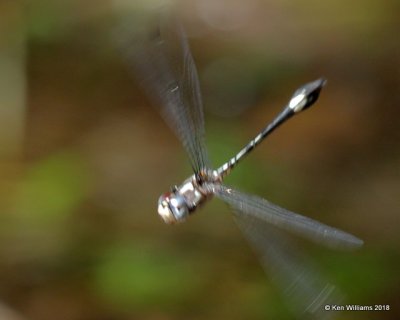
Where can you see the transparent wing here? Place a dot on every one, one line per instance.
(250, 205)
(304, 288)
(164, 65)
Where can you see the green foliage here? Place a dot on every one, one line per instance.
(364, 275)
(47, 19)
(51, 189)
(139, 276)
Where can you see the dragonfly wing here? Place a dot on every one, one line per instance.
(250, 205)
(305, 289)
(163, 63)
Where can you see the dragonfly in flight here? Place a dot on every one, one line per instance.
(165, 66)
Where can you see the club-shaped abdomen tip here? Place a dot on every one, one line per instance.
(322, 82)
(306, 95)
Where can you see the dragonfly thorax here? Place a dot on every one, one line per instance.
(175, 206)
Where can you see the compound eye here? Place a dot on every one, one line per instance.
(164, 209)
(178, 207)
(172, 207)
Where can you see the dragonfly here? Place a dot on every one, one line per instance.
(164, 64)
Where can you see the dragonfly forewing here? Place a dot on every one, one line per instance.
(164, 65)
(250, 205)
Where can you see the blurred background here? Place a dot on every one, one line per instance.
(84, 157)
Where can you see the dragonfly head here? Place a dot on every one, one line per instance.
(172, 207)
